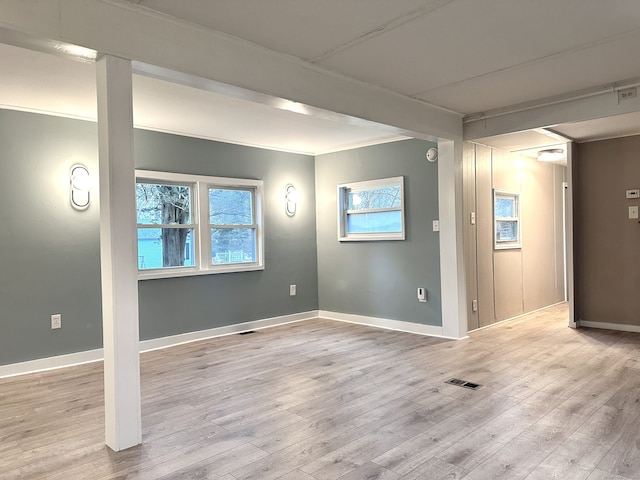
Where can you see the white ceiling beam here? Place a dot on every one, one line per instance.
(598, 104)
(121, 29)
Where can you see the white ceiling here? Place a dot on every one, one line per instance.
(46, 83)
(467, 56)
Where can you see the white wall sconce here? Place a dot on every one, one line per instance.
(80, 183)
(291, 200)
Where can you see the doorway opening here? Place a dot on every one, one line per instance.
(515, 233)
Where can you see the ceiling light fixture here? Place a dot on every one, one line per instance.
(551, 155)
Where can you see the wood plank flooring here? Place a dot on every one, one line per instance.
(322, 400)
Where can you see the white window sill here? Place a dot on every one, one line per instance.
(193, 271)
(371, 237)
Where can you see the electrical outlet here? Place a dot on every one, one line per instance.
(292, 290)
(56, 321)
(422, 294)
(436, 225)
(633, 211)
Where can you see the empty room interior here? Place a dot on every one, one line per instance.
(307, 240)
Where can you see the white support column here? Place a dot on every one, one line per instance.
(452, 272)
(571, 157)
(118, 254)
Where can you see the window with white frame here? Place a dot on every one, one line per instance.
(194, 225)
(371, 210)
(506, 213)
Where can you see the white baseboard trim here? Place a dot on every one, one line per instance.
(517, 317)
(51, 363)
(172, 341)
(398, 325)
(97, 355)
(610, 326)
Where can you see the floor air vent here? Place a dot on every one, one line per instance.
(463, 383)
(247, 333)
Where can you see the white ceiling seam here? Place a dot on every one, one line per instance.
(388, 26)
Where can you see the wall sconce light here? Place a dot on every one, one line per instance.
(551, 155)
(291, 200)
(80, 183)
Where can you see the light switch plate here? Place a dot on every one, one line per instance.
(633, 211)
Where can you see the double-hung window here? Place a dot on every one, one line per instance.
(371, 210)
(506, 213)
(233, 226)
(165, 224)
(194, 225)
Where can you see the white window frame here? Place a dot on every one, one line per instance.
(200, 185)
(508, 244)
(344, 212)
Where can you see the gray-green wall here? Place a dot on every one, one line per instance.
(50, 261)
(49, 253)
(380, 279)
(176, 305)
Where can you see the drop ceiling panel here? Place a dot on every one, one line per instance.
(303, 28)
(568, 72)
(466, 39)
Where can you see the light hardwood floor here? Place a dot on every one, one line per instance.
(323, 400)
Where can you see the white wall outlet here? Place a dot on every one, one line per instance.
(292, 290)
(422, 294)
(474, 305)
(473, 218)
(436, 225)
(633, 211)
(56, 321)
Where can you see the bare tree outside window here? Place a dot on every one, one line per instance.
(166, 206)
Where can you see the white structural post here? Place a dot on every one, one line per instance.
(118, 254)
(452, 273)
